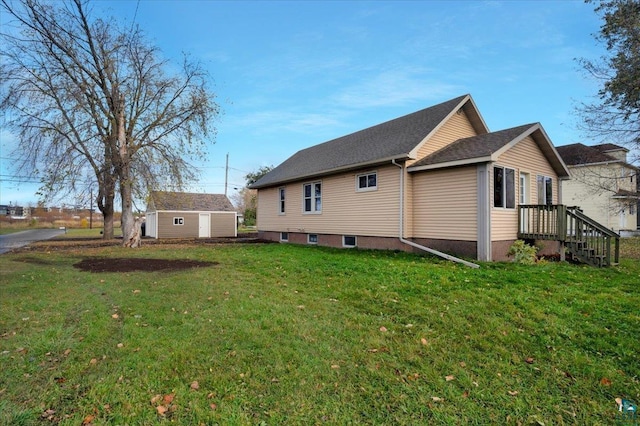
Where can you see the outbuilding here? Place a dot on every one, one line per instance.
(190, 215)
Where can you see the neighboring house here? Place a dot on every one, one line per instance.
(602, 184)
(436, 178)
(189, 215)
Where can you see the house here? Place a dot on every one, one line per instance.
(189, 215)
(436, 179)
(602, 184)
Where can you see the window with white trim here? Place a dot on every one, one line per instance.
(349, 241)
(504, 187)
(178, 220)
(545, 190)
(367, 182)
(281, 197)
(284, 236)
(524, 188)
(312, 197)
(312, 238)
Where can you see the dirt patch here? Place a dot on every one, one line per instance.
(100, 264)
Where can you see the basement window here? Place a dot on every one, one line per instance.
(349, 241)
(284, 236)
(312, 238)
(178, 220)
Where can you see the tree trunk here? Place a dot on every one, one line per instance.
(105, 202)
(133, 240)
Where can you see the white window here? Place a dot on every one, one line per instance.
(312, 197)
(504, 187)
(367, 182)
(349, 241)
(524, 188)
(545, 190)
(178, 220)
(312, 238)
(281, 196)
(284, 236)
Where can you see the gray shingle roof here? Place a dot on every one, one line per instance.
(386, 141)
(187, 201)
(577, 153)
(473, 147)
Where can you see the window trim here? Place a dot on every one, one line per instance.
(524, 188)
(282, 195)
(506, 202)
(366, 175)
(284, 237)
(178, 220)
(309, 238)
(344, 241)
(314, 200)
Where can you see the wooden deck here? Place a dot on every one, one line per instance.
(582, 237)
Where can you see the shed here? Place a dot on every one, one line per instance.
(190, 215)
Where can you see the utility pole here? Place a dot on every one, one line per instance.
(226, 175)
(91, 208)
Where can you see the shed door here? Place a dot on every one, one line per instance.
(204, 225)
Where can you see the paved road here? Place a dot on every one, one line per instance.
(18, 239)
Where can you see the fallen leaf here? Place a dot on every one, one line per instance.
(88, 419)
(383, 329)
(48, 414)
(436, 399)
(423, 341)
(463, 364)
(93, 361)
(156, 399)
(67, 352)
(168, 399)
(115, 316)
(529, 360)
(619, 401)
(335, 366)
(465, 394)
(136, 291)
(213, 406)
(161, 409)
(450, 377)
(513, 393)
(195, 385)
(605, 382)
(120, 345)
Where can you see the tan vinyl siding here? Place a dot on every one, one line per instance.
(166, 228)
(445, 204)
(223, 224)
(344, 210)
(457, 127)
(524, 157)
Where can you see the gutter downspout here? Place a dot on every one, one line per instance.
(411, 243)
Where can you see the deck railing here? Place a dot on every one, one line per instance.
(583, 237)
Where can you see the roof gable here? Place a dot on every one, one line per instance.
(488, 147)
(394, 139)
(187, 201)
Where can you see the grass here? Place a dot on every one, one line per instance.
(283, 334)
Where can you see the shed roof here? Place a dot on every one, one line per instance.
(189, 201)
(394, 139)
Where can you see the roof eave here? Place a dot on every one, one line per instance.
(447, 164)
(311, 176)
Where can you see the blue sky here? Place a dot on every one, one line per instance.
(292, 74)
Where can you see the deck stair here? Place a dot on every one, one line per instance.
(583, 238)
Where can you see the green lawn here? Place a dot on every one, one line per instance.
(282, 334)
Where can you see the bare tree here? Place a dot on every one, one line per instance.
(84, 93)
(615, 116)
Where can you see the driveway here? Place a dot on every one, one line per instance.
(19, 239)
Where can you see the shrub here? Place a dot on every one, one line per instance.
(523, 253)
